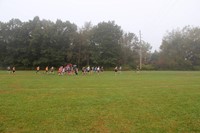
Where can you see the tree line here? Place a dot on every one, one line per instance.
(46, 43)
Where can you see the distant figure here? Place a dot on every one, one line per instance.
(95, 69)
(13, 70)
(52, 70)
(98, 69)
(116, 69)
(88, 69)
(102, 69)
(8, 69)
(92, 70)
(47, 69)
(60, 70)
(120, 69)
(83, 70)
(76, 71)
(64, 69)
(37, 69)
(137, 69)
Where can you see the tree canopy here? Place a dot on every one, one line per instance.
(46, 43)
(180, 49)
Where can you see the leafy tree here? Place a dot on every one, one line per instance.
(106, 38)
(84, 45)
(146, 52)
(129, 49)
(47, 43)
(180, 49)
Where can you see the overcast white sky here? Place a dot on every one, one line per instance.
(152, 17)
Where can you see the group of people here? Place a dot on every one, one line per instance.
(90, 70)
(118, 69)
(46, 69)
(70, 70)
(62, 70)
(11, 70)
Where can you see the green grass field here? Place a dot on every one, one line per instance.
(127, 102)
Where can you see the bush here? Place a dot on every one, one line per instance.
(148, 67)
(197, 68)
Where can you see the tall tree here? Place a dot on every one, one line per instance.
(180, 49)
(43, 42)
(84, 49)
(129, 45)
(106, 37)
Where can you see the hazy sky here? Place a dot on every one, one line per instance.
(152, 17)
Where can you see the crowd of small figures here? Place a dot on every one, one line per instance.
(63, 70)
(69, 70)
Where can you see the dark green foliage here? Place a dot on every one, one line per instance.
(45, 43)
(37, 42)
(106, 37)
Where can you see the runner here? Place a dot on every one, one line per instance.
(52, 70)
(47, 69)
(9, 69)
(98, 70)
(13, 70)
(116, 69)
(37, 69)
(60, 70)
(120, 69)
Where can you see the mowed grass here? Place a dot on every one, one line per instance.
(127, 102)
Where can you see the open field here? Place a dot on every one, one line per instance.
(127, 102)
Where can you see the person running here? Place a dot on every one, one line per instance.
(60, 70)
(83, 70)
(47, 69)
(76, 71)
(120, 69)
(102, 69)
(88, 69)
(9, 69)
(37, 69)
(13, 70)
(52, 70)
(116, 69)
(98, 69)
